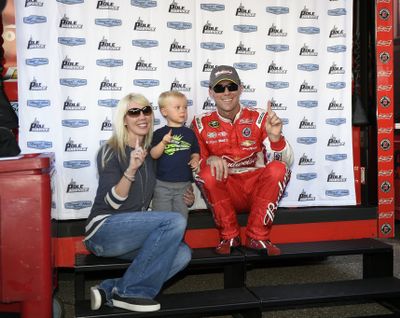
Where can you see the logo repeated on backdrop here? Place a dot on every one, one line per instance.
(33, 3)
(35, 85)
(69, 104)
(68, 64)
(106, 5)
(174, 7)
(35, 44)
(36, 126)
(105, 45)
(67, 23)
(284, 42)
(241, 11)
(181, 87)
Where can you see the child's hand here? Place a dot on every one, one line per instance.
(167, 138)
(194, 164)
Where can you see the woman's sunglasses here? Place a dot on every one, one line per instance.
(135, 112)
(232, 87)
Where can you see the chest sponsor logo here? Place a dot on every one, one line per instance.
(214, 124)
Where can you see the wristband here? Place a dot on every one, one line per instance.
(130, 178)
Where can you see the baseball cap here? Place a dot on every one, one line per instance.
(223, 73)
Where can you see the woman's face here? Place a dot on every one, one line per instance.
(138, 119)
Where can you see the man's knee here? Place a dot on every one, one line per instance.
(207, 178)
(278, 170)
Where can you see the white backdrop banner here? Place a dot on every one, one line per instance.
(77, 58)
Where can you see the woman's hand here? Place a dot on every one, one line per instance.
(188, 196)
(138, 155)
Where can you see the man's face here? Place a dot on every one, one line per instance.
(227, 102)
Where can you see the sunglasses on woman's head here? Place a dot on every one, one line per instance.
(135, 112)
(232, 87)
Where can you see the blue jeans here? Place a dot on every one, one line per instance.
(153, 240)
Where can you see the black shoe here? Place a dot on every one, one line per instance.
(135, 304)
(97, 297)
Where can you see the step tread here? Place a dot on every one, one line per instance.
(200, 256)
(299, 294)
(203, 256)
(325, 248)
(224, 300)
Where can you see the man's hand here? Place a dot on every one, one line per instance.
(273, 125)
(188, 196)
(219, 167)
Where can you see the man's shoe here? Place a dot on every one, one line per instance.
(135, 304)
(226, 246)
(97, 297)
(264, 247)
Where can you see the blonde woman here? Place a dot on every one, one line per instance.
(119, 224)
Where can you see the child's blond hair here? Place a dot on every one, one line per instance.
(162, 100)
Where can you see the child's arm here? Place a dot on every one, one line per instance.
(194, 161)
(158, 149)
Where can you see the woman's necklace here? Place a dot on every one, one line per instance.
(143, 182)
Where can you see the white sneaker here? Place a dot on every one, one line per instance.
(97, 297)
(136, 304)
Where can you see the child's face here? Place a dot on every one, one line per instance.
(175, 111)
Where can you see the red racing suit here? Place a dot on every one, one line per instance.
(258, 170)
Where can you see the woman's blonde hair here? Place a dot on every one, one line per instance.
(119, 139)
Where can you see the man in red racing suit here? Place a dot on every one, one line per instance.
(244, 164)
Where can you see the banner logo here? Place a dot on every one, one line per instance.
(76, 164)
(106, 5)
(177, 48)
(244, 28)
(336, 48)
(307, 14)
(67, 64)
(34, 19)
(146, 82)
(34, 44)
(73, 82)
(212, 7)
(274, 31)
(308, 30)
(180, 64)
(75, 123)
(212, 46)
(145, 43)
(39, 144)
(306, 140)
(277, 47)
(306, 124)
(277, 10)
(179, 25)
(109, 62)
(241, 11)
(70, 105)
(175, 8)
(336, 157)
(108, 102)
(77, 205)
(337, 12)
(38, 103)
(37, 61)
(337, 193)
(36, 126)
(335, 121)
(66, 23)
(71, 41)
